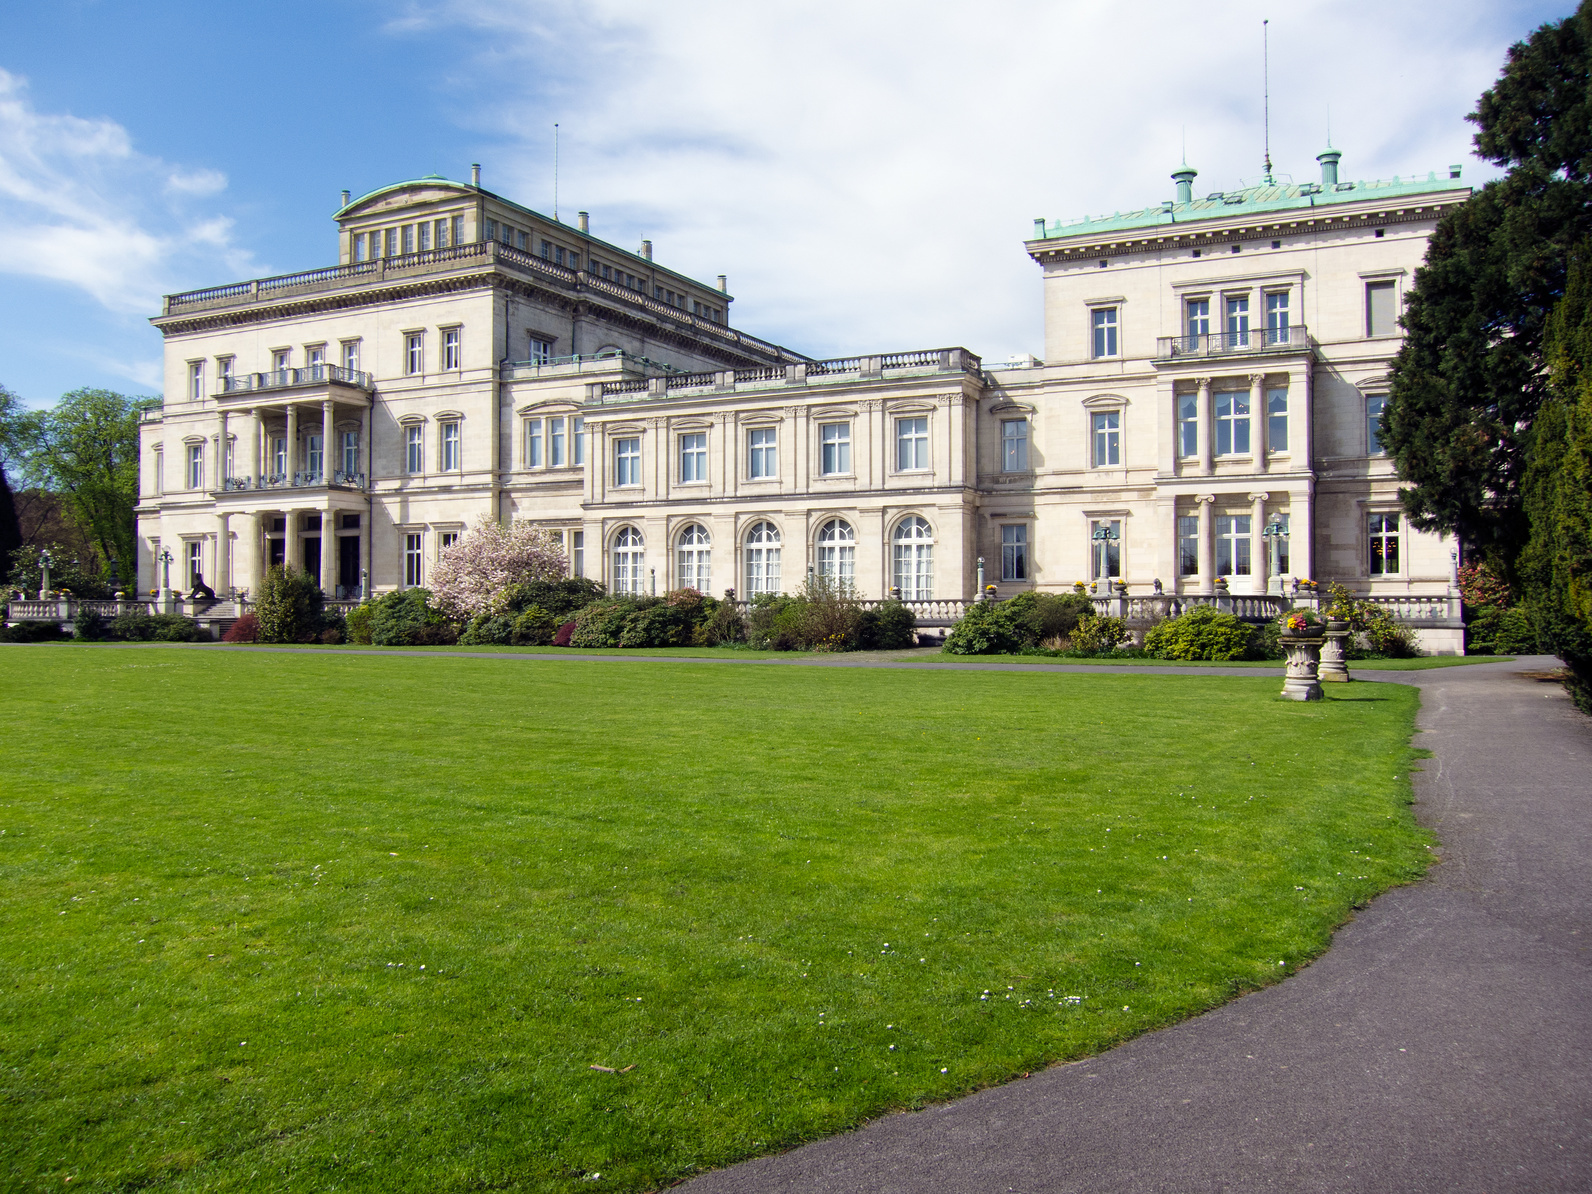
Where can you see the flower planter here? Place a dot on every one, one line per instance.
(1334, 652)
(1304, 662)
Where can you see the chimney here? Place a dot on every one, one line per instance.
(1184, 176)
(724, 284)
(475, 174)
(585, 221)
(646, 249)
(345, 198)
(1039, 227)
(1329, 167)
(1453, 171)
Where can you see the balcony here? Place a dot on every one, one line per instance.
(303, 480)
(1260, 342)
(287, 379)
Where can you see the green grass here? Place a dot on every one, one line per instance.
(301, 922)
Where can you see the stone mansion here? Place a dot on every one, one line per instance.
(1206, 408)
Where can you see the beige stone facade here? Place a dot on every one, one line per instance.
(1205, 410)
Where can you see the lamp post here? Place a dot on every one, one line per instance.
(45, 560)
(165, 573)
(980, 594)
(1274, 534)
(1104, 537)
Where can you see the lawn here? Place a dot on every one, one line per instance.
(279, 921)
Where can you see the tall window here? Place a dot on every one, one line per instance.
(1277, 318)
(442, 233)
(452, 358)
(196, 466)
(314, 455)
(409, 238)
(224, 372)
(555, 443)
(1014, 553)
(196, 564)
(1384, 536)
(1232, 422)
(694, 558)
(764, 453)
(450, 447)
(351, 354)
(1014, 445)
(359, 246)
(414, 353)
(1238, 321)
(414, 441)
(458, 230)
(445, 540)
(694, 458)
(1379, 313)
(1374, 406)
(834, 455)
(629, 561)
(279, 455)
(281, 359)
(196, 380)
(1188, 545)
(577, 432)
(315, 357)
(1277, 420)
(627, 461)
(1105, 544)
(577, 553)
(762, 559)
(423, 236)
(1199, 318)
(392, 242)
(412, 560)
(1107, 438)
(912, 443)
(533, 443)
(913, 556)
(1104, 326)
(837, 552)
(1188, 425)
(351, 452)
(1232, 545)
(1280, 546)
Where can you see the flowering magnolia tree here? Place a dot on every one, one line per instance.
(472, 574)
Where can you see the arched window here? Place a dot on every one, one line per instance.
(837, 552)
(694, 560)
(762, 559)
(629, 559)
(913, 552)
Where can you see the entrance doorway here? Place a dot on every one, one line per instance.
(312, 557)
(348, 566)
(278, 552)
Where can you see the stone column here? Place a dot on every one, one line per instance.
(327, 431)
(223, 582)
(1207, 426)
(1257, 415)
(329, 549)
(1302, 433)
(221, 450)
(258, 522)
(292, 446)
(1259, 565)
(1302, 535)
(1207, 578)
(256, 458)
(364, 445)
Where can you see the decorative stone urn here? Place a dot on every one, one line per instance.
(1304, 662)
(1334, 652)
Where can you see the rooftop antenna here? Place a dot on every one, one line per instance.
(1265, 75)
(556, 220)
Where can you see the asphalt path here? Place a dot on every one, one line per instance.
(1443, 1043)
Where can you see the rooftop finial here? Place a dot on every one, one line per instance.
(1184, 177)
(1265, 75)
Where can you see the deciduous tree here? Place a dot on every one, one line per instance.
(473, 574)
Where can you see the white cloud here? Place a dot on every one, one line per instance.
(866, 172)
(83, 208)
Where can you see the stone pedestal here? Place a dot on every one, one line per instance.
(1334, 653)
(1304, 662)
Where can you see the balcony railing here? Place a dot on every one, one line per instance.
(1230, 344)
(839, 369)
(307, 479)
(282, 379)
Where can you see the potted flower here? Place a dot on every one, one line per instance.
(1301, 642)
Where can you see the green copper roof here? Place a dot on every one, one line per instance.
(428, 180)
(1267, 198)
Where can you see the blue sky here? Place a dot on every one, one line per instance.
(864, 172)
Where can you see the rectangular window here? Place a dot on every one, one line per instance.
(1375, 404)
(577, 553)
(1277, 420)
(445, 540)
(350, 452)
(763, 451)
(1188, 425)
(694, 457)
(1232, 545)
(1014, 553)
(1014, 446)
(1199, 318)
(224, 372)
(1105, 543)
(577, 432)
(1379, 313)
(1107, 438)
(834, 449)
(912, 444)
(196, 564)
(1277, 326)
(196, 466)
(547, 250)
(279, 455)
(414, 456)
(1232, 423)
(423, 232)
(351, 355)
(506, 235)
(458, 230)
(196, 380)
(1238, 321)
(392, 242)
(450, 447)
(1384, 534)
(555, 443)
(522, 239)
(280, 360)
(314, 456)
(414, 353)
(491, 229)
(627, 461)
(314, 355)
(359, 246)
(412, 558)
(441, 227)
(1279, 546)
(541, 351)
(1188, 545)
(1105, 331)
(409, 238)
(533, 443)
(451, 356)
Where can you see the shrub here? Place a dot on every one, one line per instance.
(67, 571)
(1050, 615)
(1099, 635)
(565, 632)
(1201, 633)
(723, 625)
(602, 622)
(245, 630)
(488, 628)
(1382, 633)
(288, 606)
(404, 618)
(888, 626)
(357, 622)
(1391, 638)
(158, 628)
(1500, 630)
(562, 598)
(88, 626)
(34, 632)
(533, 627)
(987, 628)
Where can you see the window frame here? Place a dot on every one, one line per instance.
(533, 442)
(1379, 538)
(1105, 438)
(1188, 425)
(1188, 545)
(414, 354)
(627, 461)
(196, 381)
(1014, 446)
(450, 446)
(415, 449)
(1276, 417)
(761, 558)
(1232, 423)
(762, 453)
(834, 450)
(452, 349)
(1373, 435)
(414, 559)
(692, 456)
(1105, 332)
(1232, 536)
(1105, 555)
(1391, 289)
(694, 559)
(913, 452)
(1014, 552)
(629, 546)
(835, 556)
(912, 558)
(196, 466)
